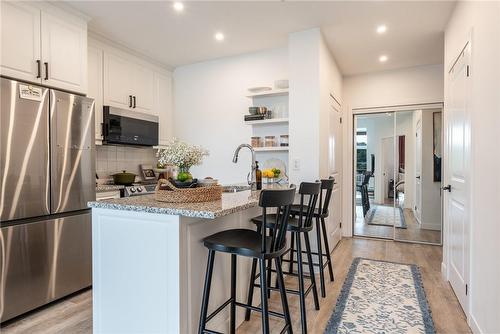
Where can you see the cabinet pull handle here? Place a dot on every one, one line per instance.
(130, 101)
(39, 68)
(134, 101)
(46, 70)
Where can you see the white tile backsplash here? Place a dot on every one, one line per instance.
(113, 159)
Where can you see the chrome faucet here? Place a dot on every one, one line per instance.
(252, 180)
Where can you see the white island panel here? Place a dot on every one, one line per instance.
(135, 272)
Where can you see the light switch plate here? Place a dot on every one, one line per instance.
(296, 164)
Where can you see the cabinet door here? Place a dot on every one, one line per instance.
(64, 52)
(95, 91)
(163, 107)
(143, 89)
(20, 41)
(117, 81)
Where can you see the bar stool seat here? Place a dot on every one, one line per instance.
(241, 242)
(295, 209)
(293, 223)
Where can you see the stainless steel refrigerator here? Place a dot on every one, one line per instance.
(47, 176)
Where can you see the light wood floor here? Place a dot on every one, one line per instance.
(413, 232)
(73, 315)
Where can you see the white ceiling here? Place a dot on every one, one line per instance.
(414, 36)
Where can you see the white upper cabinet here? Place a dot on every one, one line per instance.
(95, 83)
(117, 81)
(43, 46)
(64, 53)
(143, 89)
(20, 41)
(128, 84)
(164, 107)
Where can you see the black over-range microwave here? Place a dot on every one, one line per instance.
(129, 127)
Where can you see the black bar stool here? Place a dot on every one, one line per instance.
(320, 214)
(257, 245)
(309, 192)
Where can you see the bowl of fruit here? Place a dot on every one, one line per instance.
(272, 175)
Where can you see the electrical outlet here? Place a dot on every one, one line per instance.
(296, 164)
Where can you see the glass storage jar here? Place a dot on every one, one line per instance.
(270, 141)
(256, 142)
(284, 140)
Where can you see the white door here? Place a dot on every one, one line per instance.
(95, 68)
(143, 89)
(64, 53)
(163, 107)
(333, 227)
(457, 201)
(418, 171)
(20, 41)
(118, 81)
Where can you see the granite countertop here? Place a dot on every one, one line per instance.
(107, 187)
(230, 203)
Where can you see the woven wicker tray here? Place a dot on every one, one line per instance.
(171, 194)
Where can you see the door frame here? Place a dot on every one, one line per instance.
(466, 50)
(352, 139)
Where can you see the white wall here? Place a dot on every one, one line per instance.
(414, 85)
(210, 103)
(314, 75)
(482, 19)
(304, 104)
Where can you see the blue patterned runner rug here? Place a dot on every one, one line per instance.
(381, 297)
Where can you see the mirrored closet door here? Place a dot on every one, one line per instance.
(397, 170)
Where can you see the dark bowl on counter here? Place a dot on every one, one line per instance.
(124, 178)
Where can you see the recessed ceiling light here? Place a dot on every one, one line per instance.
(178, 6)
(381, 29)
(382, 58)
(219, 36)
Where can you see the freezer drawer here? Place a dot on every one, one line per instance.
(72, 151)
(43, 261)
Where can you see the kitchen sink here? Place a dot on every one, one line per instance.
(234, 188)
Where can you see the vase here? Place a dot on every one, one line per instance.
(184, 175)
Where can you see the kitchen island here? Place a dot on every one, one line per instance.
(149, 262)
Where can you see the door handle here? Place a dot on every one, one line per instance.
(418, 177)
(135, 100)
(448, 187)
(46, 70)
(39, 68)
(130, 101)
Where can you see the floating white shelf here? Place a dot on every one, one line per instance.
(268, 121)
(273, 92)
(271, 149)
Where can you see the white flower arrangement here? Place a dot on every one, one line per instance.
(181, 154)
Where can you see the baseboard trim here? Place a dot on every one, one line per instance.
(444, 271)
(474, 326)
